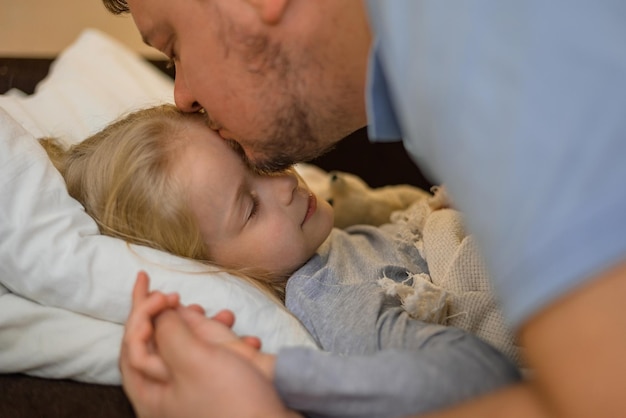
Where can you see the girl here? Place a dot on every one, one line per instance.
(161, 178)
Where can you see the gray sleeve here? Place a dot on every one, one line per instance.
(448, 368)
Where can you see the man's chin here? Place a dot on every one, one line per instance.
(271, 163)
(281, 160)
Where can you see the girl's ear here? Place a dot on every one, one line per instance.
(270, 11)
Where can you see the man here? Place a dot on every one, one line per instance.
(519, 107)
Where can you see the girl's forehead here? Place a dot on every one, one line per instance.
(203, 144)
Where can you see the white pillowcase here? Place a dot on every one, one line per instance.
(51, 254)
(91, 83)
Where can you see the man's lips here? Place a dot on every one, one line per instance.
(311, 208)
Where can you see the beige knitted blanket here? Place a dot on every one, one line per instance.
(457, 291)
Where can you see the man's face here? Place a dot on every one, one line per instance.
(248, 84)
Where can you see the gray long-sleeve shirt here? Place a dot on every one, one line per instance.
(378, 361)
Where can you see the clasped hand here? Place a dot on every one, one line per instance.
(176, 362)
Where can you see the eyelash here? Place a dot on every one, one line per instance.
(255, 205)
(172, 57)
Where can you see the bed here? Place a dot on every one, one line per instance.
(47, 369)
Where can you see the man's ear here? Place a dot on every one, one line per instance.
(270, 11)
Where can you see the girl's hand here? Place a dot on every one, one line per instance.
(176, 362)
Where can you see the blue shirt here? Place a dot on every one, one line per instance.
(520, 108)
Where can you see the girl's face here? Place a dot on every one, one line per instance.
(271, 222)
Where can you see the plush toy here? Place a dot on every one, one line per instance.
(354, 201)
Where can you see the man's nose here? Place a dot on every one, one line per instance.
(184, 98)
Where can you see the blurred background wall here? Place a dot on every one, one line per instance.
(42, 28)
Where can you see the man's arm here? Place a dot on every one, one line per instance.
(519, 401)
(576, 349)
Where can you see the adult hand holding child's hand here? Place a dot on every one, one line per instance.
(169, 351)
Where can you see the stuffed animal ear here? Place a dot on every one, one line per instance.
(318, 180)
(315, 177)
(353, 200)
(336, 185)
(345, 184)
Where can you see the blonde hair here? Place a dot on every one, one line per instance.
(122, 176)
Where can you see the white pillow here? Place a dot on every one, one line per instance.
(51, 253)
(91, 83)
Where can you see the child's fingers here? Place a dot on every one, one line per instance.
(140, 290)
(149, 303)
(223, 320)
(155, 303)
(139, 355)
(192, 317)
(217, 328)
(172, 333)
(226, 317)
(197, 308)
(254, 342)
(138, 343)
(208, 329)
(172, 299)
(147, 363)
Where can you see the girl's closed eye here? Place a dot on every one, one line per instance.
(255, 205)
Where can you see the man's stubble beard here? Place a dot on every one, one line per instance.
(299, 129)
(306, 125)
(291, 140)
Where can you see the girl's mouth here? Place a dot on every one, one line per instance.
(311, 208)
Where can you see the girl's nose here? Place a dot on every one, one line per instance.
(285, 185)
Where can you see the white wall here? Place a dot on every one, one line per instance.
(42, 28)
